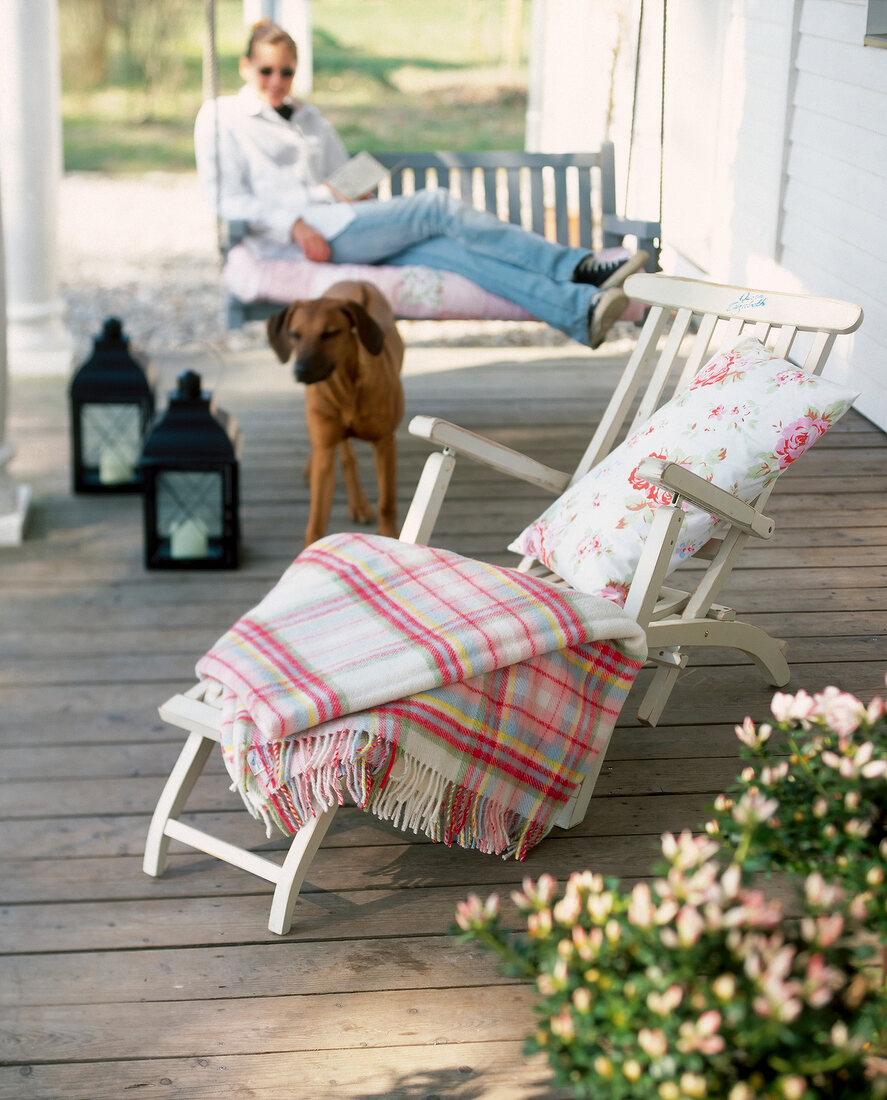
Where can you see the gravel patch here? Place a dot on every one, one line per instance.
(144, 249)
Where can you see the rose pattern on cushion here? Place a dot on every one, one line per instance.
(798, 436)
(742, 420)
(652, 495)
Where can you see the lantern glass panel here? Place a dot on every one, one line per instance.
(190, 495)
(111, 439)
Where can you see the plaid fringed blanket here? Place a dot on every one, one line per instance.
(452, 697)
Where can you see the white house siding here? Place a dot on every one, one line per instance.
(775, 157)
(834, 222)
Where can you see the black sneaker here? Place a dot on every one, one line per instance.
(604, 273)
(604, 311)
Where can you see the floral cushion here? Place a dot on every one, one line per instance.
(744, 418)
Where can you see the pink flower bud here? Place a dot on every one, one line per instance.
(752, 809)
(839, 710)
(603, 1067)
(562, 1025)
(747, 733)
(640, 908)
(875, 711)
(472, 913)
(568, 909)
(693, 1085)
(632, 1070)
(652, 1041)
(874, 876)
(664, 1003)
(793, 1087)
(709, 1022)
(788, 708)
(689, 925)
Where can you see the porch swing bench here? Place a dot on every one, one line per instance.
(567, 197)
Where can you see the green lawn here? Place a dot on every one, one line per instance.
(390, 74)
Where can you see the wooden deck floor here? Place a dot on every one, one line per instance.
(114, 984)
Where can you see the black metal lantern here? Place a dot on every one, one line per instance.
(190, 476)
(112, 405)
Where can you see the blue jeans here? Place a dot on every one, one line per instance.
(433, 228)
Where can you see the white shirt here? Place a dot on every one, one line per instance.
(272, 169)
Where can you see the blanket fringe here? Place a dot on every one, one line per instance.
(308, 775)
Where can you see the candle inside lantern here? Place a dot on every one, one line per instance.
(114, 468)
(188, 539)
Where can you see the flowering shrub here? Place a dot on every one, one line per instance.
(813, 797)
(696, 985)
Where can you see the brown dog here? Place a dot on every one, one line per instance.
(349, 354)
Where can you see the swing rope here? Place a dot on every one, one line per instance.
(634, 104)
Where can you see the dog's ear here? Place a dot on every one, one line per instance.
(278, 333)
(368, 332)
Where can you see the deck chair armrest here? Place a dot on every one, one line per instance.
(692, 487)
(488, 453)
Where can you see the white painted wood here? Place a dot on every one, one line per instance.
(189, 713)
(30, 135)
(221, 849)
(428, 498)
(185, 773)
(788, 190)
(766, 652)
(674, 621)
(840, 100)
(488, 453)
(698, 491)
(292, 873)
(612, 421)
(837, 178)
(847, 221)
(861, 147)
(653, 564)
(778, 308)
(844, 22)
(841, 60)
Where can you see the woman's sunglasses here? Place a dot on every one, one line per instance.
(268, 70)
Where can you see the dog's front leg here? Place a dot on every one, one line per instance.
(385, 454)
(359, 508)
(321, 481)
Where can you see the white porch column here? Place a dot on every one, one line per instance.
(30, 167)
(295, 17)
(14, 498)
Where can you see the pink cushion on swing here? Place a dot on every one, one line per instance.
(418, 293)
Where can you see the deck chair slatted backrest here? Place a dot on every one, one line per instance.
(686, 322)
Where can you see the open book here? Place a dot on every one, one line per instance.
(358, 176)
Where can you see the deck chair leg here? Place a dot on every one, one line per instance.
(195, 752)
(657, 695)
(294, 868)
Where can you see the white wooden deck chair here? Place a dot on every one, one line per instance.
(687, 322)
